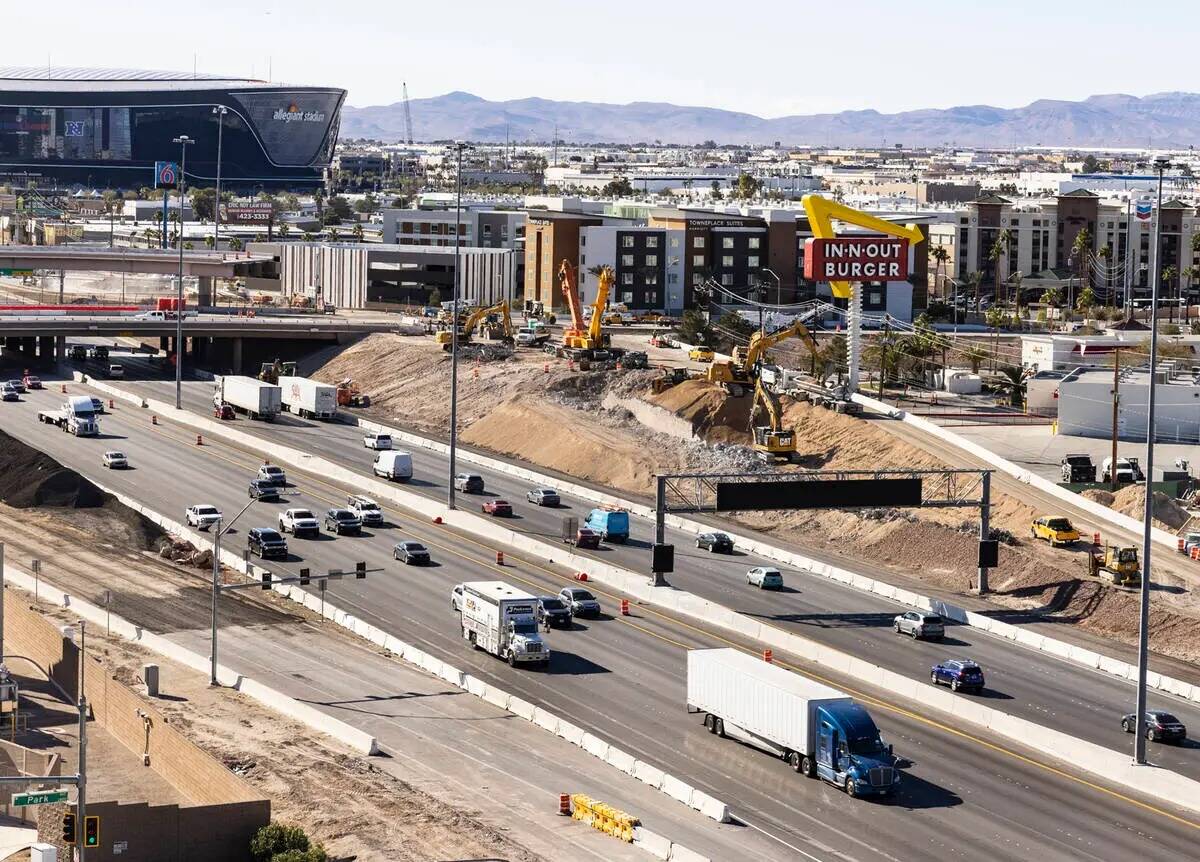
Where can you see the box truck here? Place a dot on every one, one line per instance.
(256, 399)
(817, 729)
(308, 398)
(502, 620)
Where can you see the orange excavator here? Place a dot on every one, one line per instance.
(585, 340)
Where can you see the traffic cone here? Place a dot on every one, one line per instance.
(768, 656)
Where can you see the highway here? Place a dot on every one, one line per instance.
(1033, 685)
(622, 678)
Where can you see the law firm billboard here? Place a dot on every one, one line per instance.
(871, 258)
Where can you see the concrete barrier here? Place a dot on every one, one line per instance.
(621, 760)
(648, 774)
(710, 806)
(680, 853)
(595, 746)
(520, 708)
(658, 846)
(677, 789)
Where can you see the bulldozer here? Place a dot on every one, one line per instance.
(272, 371)
(772, 442)
(738, 374)
(502, 325)
(348, 395)
(1118, 565)
(671, 377)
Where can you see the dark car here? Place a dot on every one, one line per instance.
(343, 522)
(585, 538)
(1160, 726)
(223, 411)
(260, 490)
(715, 543)
(469, 483)
(17, 384)
(499, 508)
(555, 611)
(958, 674)
(411, 553)
(266, 542)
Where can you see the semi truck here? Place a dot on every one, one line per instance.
(820, 731)
(308, 398)
(256, 399)
(499, 618)
(77, 416)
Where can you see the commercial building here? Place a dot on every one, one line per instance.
(1085, 405)
(107, 128)
(479, 227)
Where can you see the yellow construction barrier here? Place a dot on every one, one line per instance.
(604, 817)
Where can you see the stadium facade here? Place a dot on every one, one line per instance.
(105, 128)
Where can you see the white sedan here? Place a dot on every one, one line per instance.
(115, 461)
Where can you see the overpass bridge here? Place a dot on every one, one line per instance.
(88, 258)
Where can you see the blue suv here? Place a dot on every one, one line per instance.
(958, 674)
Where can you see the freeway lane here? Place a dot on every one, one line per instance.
(623, 680)
(1024, 682)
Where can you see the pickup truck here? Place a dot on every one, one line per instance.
(202, 516)
(532, 337)
(1077, 468)
(299, 522)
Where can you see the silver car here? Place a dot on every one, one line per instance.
(543, 497)
(581, 602)
(916, 624)
(115, 460)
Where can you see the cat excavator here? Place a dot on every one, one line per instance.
(740, 373)
(585, 340)
(772, 442)
(499, 310)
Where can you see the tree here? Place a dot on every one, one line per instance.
(694, 329)
(339, 207)
(366, 204)
(1014, 381)
(188, 246)
(284, 230)
(716, 190)
(307, 236)
(733, 329)
(277, 843)
(1169, 274)
(747, 187)
(1080, 249)
(357, 232)
(1051, 296)
(235, 244)
(1090, 164)
(940, 255)
(435, 297)
(210, 241)
(976, 354)
(997, 253)
(1105, 254)
(1086, 301)
(995, 317)
(618, 188)
(334, 235)
(204, 203)
(974, 279)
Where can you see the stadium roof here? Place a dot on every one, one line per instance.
(82, 79)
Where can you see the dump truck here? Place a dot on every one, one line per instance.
(255, 398)
(77, 416)
(1118, 565)
(502, 620)
(308, 398)
(820, 731)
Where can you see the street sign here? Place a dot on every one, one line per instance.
(165, 174)
(16, 273)
(43, 798)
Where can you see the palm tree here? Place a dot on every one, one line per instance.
(235, 244)
(976, 354)
(940, 255)
(357, 232)
(974, 279)
(1106, 254)
(307, 237)
(886, 351)
(333, 233)
(1191, 273)
(997, 253)
(1169, 274)
(210, 241)
(1080, 249)
(284, 230)
(1014, 382)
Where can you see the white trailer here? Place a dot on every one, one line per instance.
(499, 618)
(249, 395)
(308, 398)
(818, 730)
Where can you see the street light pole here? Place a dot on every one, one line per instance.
(1139, 742)
(183, 141)
(454, 294)
(778, 285)
(220, 111)
(219, 529)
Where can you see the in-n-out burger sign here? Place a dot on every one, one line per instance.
(293, 114)
(872, 258)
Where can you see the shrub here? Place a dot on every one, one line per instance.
(275, 839)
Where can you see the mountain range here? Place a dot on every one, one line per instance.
(1158, 120)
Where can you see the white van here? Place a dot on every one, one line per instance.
(393, 465)
(376, 440)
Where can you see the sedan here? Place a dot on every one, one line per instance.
(1160, 726)
(32, 381)
(260, 490)
(700, 354)
(585, 538)
(411, 553)
(765, 578)
(555, 611)
(115, 460)
(18, 385)
(499, 508)
(342, 521)
(11, 393)
(958, 674)
(580, 601)
(715, 543)
(918, 625)
(543, 497)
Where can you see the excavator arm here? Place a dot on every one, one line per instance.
(604, 286)
(766, 399)
(771, 441)
(566, 277)
(759, 344)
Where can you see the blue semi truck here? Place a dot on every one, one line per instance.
(818, 730)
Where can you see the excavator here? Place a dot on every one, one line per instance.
(272, 371)
(583, 340)
(740, 373)
(772, 442)
(500, 310)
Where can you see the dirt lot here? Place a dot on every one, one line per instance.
(307, 776)
(555, 418)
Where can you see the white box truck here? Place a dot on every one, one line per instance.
(393, 464)
(249, 395)
(817, 729)
(503, 620)
(308, 398)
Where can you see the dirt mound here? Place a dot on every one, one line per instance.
(715, 416)
(31, 478)
(1131, 501)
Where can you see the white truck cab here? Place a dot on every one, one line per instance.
(499, 618)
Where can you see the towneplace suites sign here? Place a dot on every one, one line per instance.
(843, 258)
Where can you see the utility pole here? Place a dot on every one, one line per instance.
(454, 331)
(183, 141)
(1112, 469)
(82, 701)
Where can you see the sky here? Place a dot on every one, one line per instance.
(767, 58)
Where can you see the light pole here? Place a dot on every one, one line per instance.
(183, 141)
(1161, 163)
(219, 529)
(220, 111)
(778, 285)
(454, 294)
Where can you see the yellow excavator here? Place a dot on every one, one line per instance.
(272, 371)
(739, 373)
(499, 310)
(580, 339)
(772, 442)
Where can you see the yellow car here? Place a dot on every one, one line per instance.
(700, 354)
(1056, 531)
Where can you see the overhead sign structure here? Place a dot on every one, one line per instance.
(822, 212)
(166, 175)
(853, 258)
(45, 797)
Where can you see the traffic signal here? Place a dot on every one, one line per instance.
(91, 831)
(360, 570)
(266, 580)
(68, 828)
(304, 579)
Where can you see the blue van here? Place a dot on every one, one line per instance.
(611, 524)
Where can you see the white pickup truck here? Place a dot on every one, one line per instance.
(202, 516)
(299, 522)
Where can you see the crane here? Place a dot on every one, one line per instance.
(741, 370)
(771, 441)
(581, 339)
(500, 309)
(407, 112)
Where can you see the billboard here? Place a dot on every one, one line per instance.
(871, 258)
(165, 175)
(253, 213)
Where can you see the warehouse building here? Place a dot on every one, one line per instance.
(1085, 403)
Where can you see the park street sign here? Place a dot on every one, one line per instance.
(43, 798)
(856, 258)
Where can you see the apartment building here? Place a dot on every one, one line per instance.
(477, 227)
